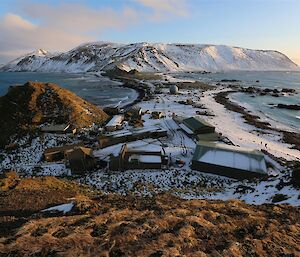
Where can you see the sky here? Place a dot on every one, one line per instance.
(56, 25)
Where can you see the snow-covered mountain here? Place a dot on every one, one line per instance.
(152, 57)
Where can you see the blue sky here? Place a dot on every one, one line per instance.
(61, 25)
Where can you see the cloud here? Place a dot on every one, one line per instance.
(59, 28)
(16, 22)
(63, 26)
(80, 18)
(19, 35)
(161, 8)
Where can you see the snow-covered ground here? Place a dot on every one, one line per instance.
(191, 184)
(27, 159)
(233, 126)
(179, 179)
(65, 208)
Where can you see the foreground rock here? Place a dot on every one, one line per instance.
(24, 108)
(113, 225)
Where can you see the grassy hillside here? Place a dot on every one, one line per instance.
(25, 107)
(114, 225)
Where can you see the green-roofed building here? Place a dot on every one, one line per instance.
(230, 161)
(213, 137)
(198, 125)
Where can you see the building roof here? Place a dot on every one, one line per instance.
(79, 152)
(195, 123)
(141, 146)
(143, 158)
(87, 151)
(62, 148)
(186, 129)
(134, 108)
(134, 131)
(230, 156)
(55, 127)
(147, 129)
(115, 120)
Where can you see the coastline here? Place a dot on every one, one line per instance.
(141, 93)
(192, 99)
(248, 124)
(233, 125)
(234, 97)
(127, 82)
(289, 137)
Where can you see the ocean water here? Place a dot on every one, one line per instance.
(262, 104)
(98, 90)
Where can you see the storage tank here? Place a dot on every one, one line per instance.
(173, 89)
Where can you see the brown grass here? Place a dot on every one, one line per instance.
(25, 107)
(113, 225)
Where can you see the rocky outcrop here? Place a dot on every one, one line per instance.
(289, 106)
(268, 91)
(24, 108)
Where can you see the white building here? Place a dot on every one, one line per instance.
(115, 123)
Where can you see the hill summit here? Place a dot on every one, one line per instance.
(26, 107)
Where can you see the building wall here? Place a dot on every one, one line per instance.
(111, 128)
(224, 171)
(121, 162)
(142, 166)
(56, 156)
(80, 163)
(204, 130)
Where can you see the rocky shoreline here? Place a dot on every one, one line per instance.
(289, 106)
(129, 82)
(289, 137)
(268, 91)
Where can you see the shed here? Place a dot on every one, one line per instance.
(198, 125)
(58, 128)
(116, 123)
(228, 160)
(59, 153)
(140, 157)
(81, 159)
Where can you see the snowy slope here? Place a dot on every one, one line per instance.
(152, 57)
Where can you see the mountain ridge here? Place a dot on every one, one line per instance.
(153, 57)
